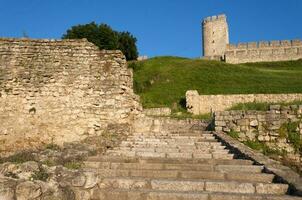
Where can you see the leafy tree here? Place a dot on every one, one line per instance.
(105, 37)
(127, 45)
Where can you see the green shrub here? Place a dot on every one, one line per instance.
(41, 175)
(233, 134)
(73, 165)
(289, 130)
(20, 157)
(262, 147)
(52, 146)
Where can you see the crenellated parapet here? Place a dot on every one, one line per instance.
(265, 44)
(214, 18)
(277, 50)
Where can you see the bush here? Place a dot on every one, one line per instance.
(289, 130)
(20, 157)
(41, 175)
(105, 37)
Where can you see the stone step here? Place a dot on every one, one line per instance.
(173, 150)
(170, 155)
(172, 195)
(192, 185)
(154, 140)
(183, 175)
(168, 141)
(118, 159)
(180, 145)
(173, 136)
(165, 166)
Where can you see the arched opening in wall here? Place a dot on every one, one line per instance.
(213, 41)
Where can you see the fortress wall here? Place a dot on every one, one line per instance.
(201, 104)
(60, 91)
(264, 51)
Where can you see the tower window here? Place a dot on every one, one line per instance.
(213, 41)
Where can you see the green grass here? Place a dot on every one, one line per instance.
(163, 81)
(261, 106)
(233, 134)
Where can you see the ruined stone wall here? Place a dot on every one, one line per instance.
(215, 36)
(264, 126)
(264, 51)
(59, 91)
(201, 104)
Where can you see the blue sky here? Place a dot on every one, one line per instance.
(162, 27)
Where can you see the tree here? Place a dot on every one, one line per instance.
(127, 44)
(105, 37)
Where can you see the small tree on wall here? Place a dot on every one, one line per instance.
(105, 37)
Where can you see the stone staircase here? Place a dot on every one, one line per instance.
(180, 166)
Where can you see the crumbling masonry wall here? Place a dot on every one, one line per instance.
(264, 51)
(60, 91)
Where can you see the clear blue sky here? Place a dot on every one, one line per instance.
(162, 27)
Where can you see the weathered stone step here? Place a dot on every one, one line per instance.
(193, 186)
(169, 141)
(182, 175)
(170, 155)
(164, 166)
(170, 144)
(174, 150)
(170, 195)
(118, 159)
(163, 137)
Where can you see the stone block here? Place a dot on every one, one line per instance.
(254, 123)
(220, 123)
(278, 189)
(230, 187)
(275, 107)
(243, 122)
(28, 190)
(177, 185)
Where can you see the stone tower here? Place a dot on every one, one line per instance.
(215, 36)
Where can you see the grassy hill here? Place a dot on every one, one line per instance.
(163, 81)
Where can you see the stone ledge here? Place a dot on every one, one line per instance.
(284, 173)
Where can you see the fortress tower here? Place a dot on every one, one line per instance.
(215, 36)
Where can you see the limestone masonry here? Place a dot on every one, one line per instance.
(216, 45)
(60, 91)
(201, 104)
(264, 126)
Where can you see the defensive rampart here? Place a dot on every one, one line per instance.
(264, 51)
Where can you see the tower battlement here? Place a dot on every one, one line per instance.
(214, 18)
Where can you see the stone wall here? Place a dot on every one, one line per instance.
(264, 51)
(201, 104)
(60, 90)
(157, 111)
(147, 124)
(264, 126)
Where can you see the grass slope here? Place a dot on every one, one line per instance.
(163, 81)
